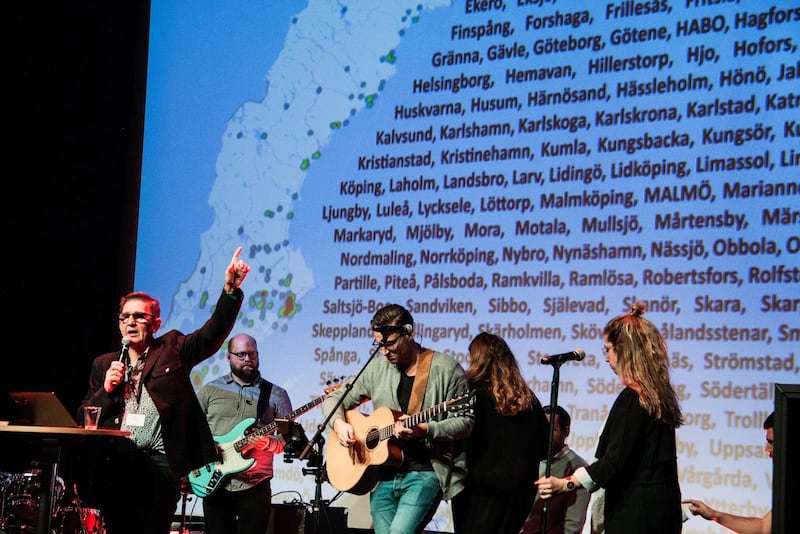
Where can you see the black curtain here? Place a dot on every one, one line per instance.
(75, 79)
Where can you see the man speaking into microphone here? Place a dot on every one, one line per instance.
(145, 389)
(117, 373)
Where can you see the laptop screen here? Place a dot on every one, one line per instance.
(41, 408)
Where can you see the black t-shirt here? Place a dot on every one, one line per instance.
(415, 455)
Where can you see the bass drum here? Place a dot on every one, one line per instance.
(72, 520)
(6, 479)
(22, 506)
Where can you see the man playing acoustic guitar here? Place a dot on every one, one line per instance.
(416, 459)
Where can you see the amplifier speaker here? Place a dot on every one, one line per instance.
(191, 525)
(287, 519)
(295, 519)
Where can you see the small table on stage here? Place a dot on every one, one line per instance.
(51, 439)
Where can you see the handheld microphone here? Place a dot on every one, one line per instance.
(557, 359)
(123, 354)
(125, 358)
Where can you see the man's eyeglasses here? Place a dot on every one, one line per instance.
(253, 354)
(139, 317)
(386, 343)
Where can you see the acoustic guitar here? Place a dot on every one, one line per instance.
(355, 469)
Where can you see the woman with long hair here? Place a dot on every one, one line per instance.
(503, 452)
(636, 452)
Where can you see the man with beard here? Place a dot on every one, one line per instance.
(409, 379)
(242, 502)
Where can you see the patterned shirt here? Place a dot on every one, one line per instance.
(140, 415)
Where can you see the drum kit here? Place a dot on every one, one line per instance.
(19, 507)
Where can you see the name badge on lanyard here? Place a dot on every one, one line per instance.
(133, 419)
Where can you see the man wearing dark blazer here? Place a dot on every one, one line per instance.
(145, 388)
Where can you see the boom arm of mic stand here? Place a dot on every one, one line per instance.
(322, 426)
(316, 440)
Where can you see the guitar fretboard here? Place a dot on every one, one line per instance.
(260, 432)
(425, 415)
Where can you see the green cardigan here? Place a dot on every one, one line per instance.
(446, 381)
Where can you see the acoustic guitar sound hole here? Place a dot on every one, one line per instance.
(372, 438)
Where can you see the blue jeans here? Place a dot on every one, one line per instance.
(405, 504)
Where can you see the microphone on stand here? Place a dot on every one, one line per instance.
(557, 359)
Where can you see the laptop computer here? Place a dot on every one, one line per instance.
(40, 408)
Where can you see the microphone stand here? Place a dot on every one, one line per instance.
(184, 497)
(553, 403)
(317, 441)
(319, 477)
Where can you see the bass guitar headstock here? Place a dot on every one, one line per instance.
(334, 384)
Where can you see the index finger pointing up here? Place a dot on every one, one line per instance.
(236, 255)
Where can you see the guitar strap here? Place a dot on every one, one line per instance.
(263, 399)
(420, 381)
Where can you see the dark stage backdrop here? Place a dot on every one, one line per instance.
(74, 82)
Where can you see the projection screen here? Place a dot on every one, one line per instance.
(527, 168)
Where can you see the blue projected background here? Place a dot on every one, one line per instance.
(527, 168)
